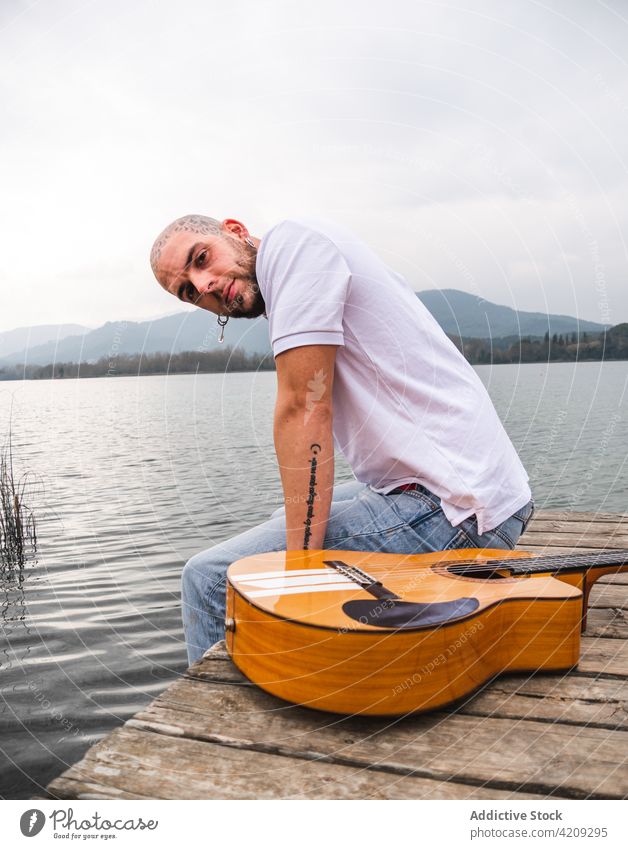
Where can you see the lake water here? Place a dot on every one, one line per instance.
(137, 474)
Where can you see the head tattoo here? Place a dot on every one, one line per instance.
(188, 223)
(244, 260)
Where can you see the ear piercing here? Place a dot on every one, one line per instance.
(222, 321)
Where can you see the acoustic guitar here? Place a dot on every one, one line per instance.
(390, 634)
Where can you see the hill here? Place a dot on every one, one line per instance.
(15, 341)
(464, 315)
(194, 330)
(459, 314)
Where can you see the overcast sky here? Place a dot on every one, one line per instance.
(476, 145)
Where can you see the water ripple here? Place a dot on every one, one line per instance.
(139, 474)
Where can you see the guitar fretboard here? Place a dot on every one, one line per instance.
(550, 563)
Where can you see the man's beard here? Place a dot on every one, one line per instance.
(246, 273)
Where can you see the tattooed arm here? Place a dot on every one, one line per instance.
(304, 441)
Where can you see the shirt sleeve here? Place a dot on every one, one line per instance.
(307, 280)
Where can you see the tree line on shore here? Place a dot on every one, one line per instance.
(186, 362)
(611, 344)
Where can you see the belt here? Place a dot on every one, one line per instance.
(403, 487)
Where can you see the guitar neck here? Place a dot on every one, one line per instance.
(610, 561)
(589, 567)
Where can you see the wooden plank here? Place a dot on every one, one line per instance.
(576, 699)
(217, 667)
(598, 657)
(524, 756)
(607, 622)
(603, 652)
(141, 764)
(577, 528)
(563, 697)
(599, 543)
(602, 656)
(617, 578)
(68, 786)
(590, 537)
(609, 595)
(567, 515)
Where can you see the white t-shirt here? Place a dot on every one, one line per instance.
(407, 405)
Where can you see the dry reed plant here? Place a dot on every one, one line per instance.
(18, 535)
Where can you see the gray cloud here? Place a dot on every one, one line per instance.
(478, 146)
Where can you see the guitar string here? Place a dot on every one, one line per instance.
(553, 562)
(527, 565)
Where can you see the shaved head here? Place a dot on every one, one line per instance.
(200, 224)
(210, 264)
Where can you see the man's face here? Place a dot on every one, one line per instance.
(214, 272)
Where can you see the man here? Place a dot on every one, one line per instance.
(362, 365)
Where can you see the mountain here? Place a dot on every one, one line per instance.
(12, 341)
(458, 313)
(184, 331)
(461, 314)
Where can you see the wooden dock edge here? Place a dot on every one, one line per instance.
(213, 735)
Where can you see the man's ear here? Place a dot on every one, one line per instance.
(236, 228)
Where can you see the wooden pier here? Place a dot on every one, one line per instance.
(213, 735)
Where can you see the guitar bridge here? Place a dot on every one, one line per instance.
(362, 579)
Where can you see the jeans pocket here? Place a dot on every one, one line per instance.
(503, 536)
(413, 506)
(508, 532)
(530, 515)
(460, 540)
(524, 515)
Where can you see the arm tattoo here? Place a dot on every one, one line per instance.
(315, 448)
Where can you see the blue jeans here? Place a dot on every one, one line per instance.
(409, 522)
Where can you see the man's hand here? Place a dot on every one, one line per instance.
(304, 441)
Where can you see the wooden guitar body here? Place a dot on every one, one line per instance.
(420, 632)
